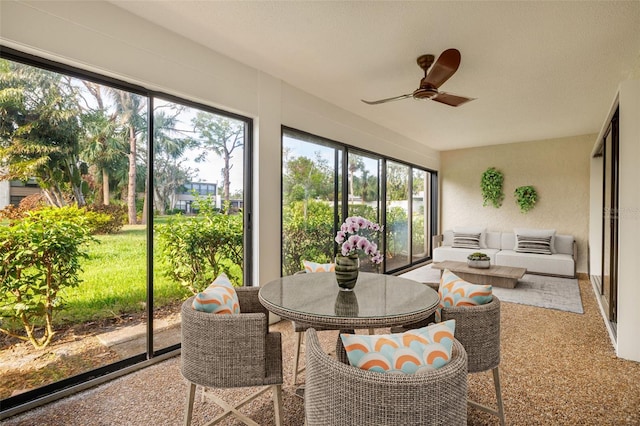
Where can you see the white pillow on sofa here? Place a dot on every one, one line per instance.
(536, 233)
(473, 230)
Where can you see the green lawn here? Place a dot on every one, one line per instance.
(114, 280)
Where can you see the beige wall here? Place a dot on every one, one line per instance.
(557, 168)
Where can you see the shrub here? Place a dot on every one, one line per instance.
(307, 234)
(29, 203)
(117, 217)
(194, 250)
(40, 256)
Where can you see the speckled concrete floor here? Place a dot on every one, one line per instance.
(557, 368)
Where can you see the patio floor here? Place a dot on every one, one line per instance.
(557, 368)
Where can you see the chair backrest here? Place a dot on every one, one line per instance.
(478, 329)
(340, 395)
(223, 350)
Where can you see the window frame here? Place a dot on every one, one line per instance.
(342, 211)
(69, 385)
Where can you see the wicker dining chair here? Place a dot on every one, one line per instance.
(229, 351)
(478, 329)
(339, 394)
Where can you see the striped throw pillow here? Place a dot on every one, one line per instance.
(531, 244)
(464, 240)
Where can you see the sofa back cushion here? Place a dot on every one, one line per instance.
(447, 238)
(494, 240)
(564, 244)
(507, 241)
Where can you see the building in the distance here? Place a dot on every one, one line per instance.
(185, 195)
(13, 191)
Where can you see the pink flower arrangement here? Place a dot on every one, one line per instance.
(351, 241)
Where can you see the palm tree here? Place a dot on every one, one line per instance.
(39, 132)
(169, 148)
(131, 110)
(103, 146)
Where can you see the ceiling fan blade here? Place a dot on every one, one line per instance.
(446, 65)
(381, 101)
(451, 99)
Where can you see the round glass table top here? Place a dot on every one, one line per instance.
(377, 300)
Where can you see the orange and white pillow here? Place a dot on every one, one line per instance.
(318, 267)
(454, 291)
(411, 352)
(219, 298)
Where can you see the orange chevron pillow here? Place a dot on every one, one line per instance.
(412, 352)
(219, 298)
(454, 291)
(318, 267)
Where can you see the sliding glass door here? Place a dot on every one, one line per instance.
(150, 194)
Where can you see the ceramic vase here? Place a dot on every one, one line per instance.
(347, 271)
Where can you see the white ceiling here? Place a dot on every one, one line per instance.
(539, 70)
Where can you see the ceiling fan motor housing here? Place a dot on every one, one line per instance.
(425, 91)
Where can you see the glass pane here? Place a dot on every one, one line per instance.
(198, 198)
(397, 225)
(78, 148)
(364, 197)
(420, 237)
(308, 188)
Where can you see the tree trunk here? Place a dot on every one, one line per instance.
(145, 206)
(105, 187)
(131, 195)
(159, 202)
(226, 183)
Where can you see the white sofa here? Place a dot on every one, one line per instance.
(500, 247)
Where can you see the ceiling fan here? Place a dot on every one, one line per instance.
(441, 71)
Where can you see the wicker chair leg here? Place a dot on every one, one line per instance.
(277, 403)
(231, 410)
(191, 394)
(296, 360)
(372, 331)
(500, 411)
(496, 382)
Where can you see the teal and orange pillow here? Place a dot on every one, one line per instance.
(318, 267)
(412, 352)
(219, 298)
(454, 291)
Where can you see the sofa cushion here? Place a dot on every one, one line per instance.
(464, 240)
(534, 233)
(473, 230)
(563, 244)
(494, 240)
(411, 352)
(532, 244)
(556, 264)
(442, 253)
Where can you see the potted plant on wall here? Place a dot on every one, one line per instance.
(526, 197)
(491, 185)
